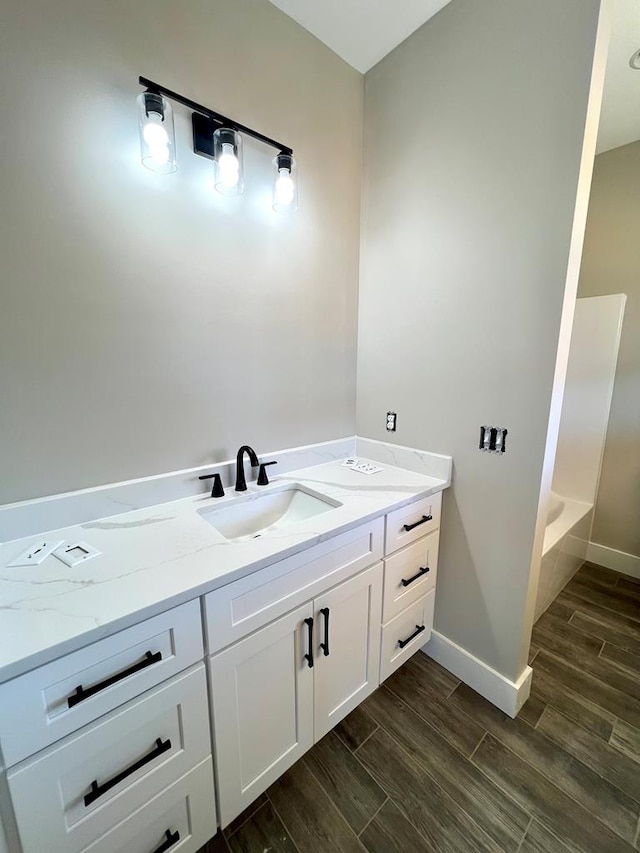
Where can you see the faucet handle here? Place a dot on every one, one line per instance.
(263, 480)
(217, 491)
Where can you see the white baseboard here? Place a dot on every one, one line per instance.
(619, 561)
(507, 695)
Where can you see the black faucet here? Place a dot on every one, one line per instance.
(241, 483)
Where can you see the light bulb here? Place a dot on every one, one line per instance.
(285, 188)
(228, 166)
(227, 147)
(157, 138)
(154, 133)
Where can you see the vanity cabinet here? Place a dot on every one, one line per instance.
(278, 691)
(355, 608)
(110, 745)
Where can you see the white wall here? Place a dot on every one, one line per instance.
(146, 323)
(610, 265)
(474, 133)
(595, 340)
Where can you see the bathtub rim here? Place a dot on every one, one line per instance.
(572, 512)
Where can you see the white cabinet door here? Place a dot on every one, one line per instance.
(346, 647)
(262, 701)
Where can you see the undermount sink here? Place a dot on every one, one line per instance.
(258, 514)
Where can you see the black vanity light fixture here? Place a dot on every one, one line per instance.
(214, 136)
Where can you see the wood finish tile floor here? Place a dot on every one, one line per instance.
(425, 765)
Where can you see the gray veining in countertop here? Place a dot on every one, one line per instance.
(158, 557)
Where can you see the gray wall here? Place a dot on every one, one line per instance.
(473, 138)
(146, 323)
(611, 264)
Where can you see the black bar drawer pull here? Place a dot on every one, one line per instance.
(419, 630)
(423, 520)
(171, 839)
(309, 656)
(98, 790)
(325, 646)
(83, 693)
(424, 570)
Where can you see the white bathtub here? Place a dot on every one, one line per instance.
(565, 547)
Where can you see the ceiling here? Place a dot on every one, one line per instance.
(361, 31)
(620, 117)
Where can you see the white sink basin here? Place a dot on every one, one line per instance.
(259, 514)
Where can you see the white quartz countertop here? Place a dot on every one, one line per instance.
(156, 558)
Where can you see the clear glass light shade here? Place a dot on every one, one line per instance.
(285, 184)
(229, 166)
(157, 135)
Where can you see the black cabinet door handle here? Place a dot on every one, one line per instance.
(419, 630)
(98, 790)
(309, 656)
(423, 571)
(423, 520)
(83, 693)
(171, 838)
(325, 646)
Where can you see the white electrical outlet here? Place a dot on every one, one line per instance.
(367, 468)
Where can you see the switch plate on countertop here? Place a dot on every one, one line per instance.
(76, 552)
(36, 553)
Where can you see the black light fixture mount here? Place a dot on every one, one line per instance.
(216, 137)
(206, 121)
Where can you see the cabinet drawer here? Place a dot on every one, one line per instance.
(86, 784)
(42, 706)
(405, 578)
(400, 629)
(184, 813)
(421, 517)
(241, 607)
